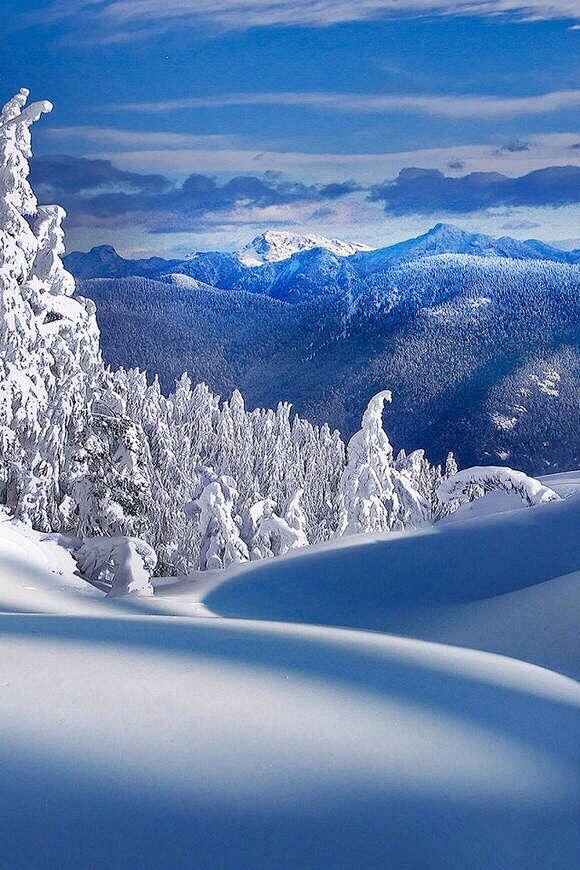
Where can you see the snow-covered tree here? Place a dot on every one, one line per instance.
(296, 519)
(221, 543)
(49, 342)
(118, 565)
(472, 483)
(368, 500)
(378, 494)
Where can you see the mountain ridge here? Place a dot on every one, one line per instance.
(298, 268)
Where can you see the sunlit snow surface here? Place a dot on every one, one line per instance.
(257, 722)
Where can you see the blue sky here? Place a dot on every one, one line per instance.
(191, 124)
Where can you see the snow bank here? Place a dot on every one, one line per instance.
(156, 742)
(161, 743)
(538, 624)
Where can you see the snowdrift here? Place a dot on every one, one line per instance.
(366, 582)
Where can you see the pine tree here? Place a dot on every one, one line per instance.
(221, 543)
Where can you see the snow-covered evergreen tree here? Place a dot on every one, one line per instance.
(221, 543)
(50, 352)
(377, 493)
(296, 519)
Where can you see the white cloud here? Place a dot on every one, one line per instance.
(175, 154)
(441, 105)
(138, 16)
(123, 140)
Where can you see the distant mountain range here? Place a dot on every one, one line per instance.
(275, 261)
(478, 338)
(104, 262)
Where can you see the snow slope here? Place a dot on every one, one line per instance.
(134, 735)
(372, 582)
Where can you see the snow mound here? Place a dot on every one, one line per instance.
(273, 246)
(488, 478)
(369, 581)
(537, 624)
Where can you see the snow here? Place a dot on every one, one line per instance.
(367, 582)
(117, 565)
(503, 422)
(487, 478)
(161, 739)
(274, 246)
(548, 385)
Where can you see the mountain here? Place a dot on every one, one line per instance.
(481, 352)
(448, 239)
(319, 271)
(103, 261)
(273, 246)
(477, 337)
(300, 268)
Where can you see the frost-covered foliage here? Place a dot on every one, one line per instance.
(217, 473)
(472, 483)
(221, 544)
(376, 493)
(118, 566)
(50, 351)
(162, 482)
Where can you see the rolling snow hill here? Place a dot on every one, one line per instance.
(164, 732)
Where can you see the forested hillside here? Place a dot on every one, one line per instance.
(481, 352)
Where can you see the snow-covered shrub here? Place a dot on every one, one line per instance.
(471, 483)
(274, 535)
(118, 566)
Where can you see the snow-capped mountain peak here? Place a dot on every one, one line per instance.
(274, 246)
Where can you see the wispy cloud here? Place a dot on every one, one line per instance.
(116, 138)
(126, 19)
(179, 154)
(440, 105)
(96, 193)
